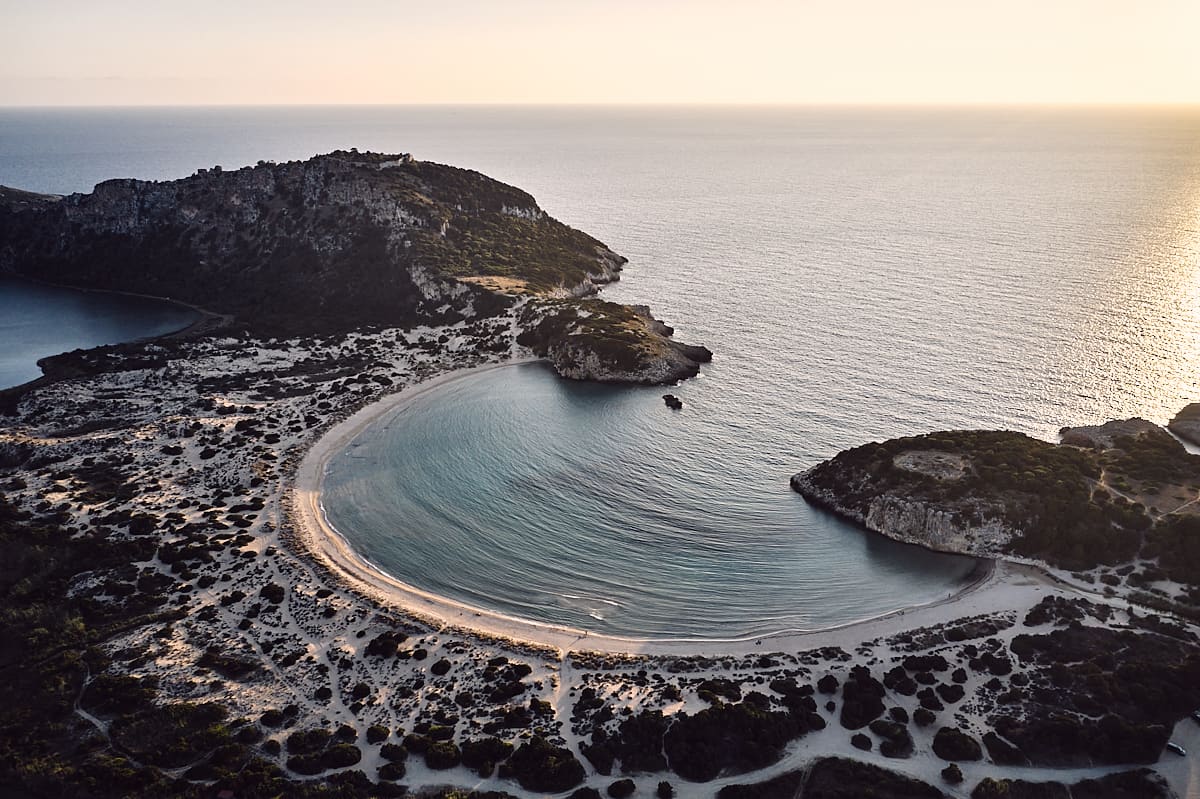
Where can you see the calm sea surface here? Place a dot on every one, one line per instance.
(37, 320)
(860, 274)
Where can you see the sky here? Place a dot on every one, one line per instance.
(167, 52)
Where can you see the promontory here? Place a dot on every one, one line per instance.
(345, 241)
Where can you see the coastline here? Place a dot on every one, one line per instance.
(321, 542)
(206, 322)
(209, 320)
(314, 648)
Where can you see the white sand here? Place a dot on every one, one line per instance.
(331, 630)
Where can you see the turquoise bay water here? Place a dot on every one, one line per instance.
(859, 273)
(599, 507)
(38, 320)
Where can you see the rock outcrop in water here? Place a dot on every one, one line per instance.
(334, 243)
(610, 343)
(1109, 494)
(1186, 423)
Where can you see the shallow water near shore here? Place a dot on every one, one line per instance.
(859, 273)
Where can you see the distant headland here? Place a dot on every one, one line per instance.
(344, 241)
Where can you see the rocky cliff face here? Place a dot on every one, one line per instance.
(1106, 436)
(1186, 423)
(1107, 495)
(610, 343)
(340, 240)
(961, 529)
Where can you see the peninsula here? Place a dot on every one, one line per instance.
(346, 241)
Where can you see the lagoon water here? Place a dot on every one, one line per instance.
(859, 273)
(38, 320)
(599, 507)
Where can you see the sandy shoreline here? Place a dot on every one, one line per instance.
(328, 547)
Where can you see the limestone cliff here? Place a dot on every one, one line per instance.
(1108, 494)
(1186, 423)
(337, 241)
(609, 343)
(970, 526)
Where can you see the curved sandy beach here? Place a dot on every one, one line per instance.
(985, 593)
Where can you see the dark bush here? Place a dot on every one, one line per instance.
(392, 771)
(540, 766)
(303, 742)
(442, 755)
(836, 778)
(953, 744)
(1019, 789)
(482, 755)
(621, 789)
(1001, 752)
(862, 699)
(719, 688)
(385, 644)
(739, 737)
(341, 756)
(584, 793)
(394, 753)
(896, 741)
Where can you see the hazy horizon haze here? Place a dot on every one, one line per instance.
(764, 52)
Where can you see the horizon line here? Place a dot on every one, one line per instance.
(1064, 104)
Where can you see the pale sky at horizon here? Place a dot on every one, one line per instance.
(132, 52)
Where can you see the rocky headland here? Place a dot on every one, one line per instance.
(1186, 424)
(344, 241)
(1119, 497)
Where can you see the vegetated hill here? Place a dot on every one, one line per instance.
(334, 242)
(1106, 496)
(342, 241)
(18, 198)
(608, 343)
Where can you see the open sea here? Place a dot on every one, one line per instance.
(859, 274)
